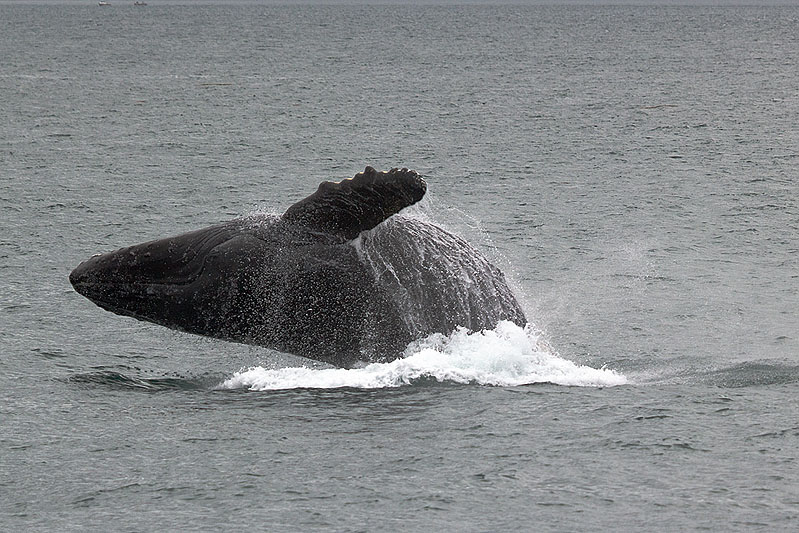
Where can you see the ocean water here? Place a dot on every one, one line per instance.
(634, 170)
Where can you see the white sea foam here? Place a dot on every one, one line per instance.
(505, 356)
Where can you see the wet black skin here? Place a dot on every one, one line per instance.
(293, 283)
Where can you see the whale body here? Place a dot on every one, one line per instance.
(340, 277)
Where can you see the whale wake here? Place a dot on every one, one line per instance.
(507, 355)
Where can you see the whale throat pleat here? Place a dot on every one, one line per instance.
(357, 204)
(436, 279)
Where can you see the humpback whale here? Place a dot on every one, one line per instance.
(340, 277)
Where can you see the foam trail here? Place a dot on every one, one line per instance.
(505, 356)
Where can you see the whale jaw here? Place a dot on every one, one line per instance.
(160, 281)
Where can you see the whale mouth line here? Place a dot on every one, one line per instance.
(136, 284)
(85, 276)
(106, 294)
(120, 297)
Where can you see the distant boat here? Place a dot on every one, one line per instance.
(102, 3)
(139, 3)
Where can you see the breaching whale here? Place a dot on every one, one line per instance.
(340, 277)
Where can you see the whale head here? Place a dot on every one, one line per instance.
(179, 282)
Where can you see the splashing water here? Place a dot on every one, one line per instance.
(507, 355)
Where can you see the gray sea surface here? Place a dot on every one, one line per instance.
(634, 170)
